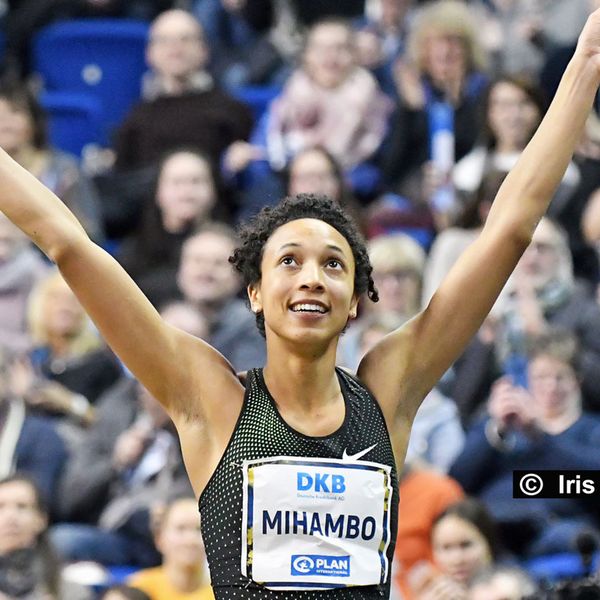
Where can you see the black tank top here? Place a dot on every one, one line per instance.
(261, 432)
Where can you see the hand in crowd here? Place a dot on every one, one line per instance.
(240, 154)
(130, 446)
(510, 406)
(409, 85)
(47, 395)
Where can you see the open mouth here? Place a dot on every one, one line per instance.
(308, 308)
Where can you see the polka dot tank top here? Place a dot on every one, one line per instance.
(261, 432)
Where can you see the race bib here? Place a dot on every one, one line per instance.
(315, 523)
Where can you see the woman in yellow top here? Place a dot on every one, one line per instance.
(182, 574)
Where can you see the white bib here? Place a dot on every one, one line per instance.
(315, 523)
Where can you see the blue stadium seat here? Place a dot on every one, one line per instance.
(256, 97)
(557, 567)
(104, 58)
(74, 120)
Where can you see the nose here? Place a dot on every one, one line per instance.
(312, 277)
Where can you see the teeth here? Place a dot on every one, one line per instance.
(308, 308)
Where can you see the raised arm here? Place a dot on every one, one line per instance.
(167, 361)
(406, 364)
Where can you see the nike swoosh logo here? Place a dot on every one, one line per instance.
(358, 455)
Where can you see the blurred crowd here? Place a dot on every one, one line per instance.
(409, 114)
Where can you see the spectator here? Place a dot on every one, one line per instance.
(450, 243)
(30, 444)
(183, 574)
(519, 34)
(67, 348)
(541, 294)
(543, 427)
(238, 34)
(182, 106)
(444, 63)
(185, 198)
(307, 112)
(502, 583)
(208, 283)
(424, 495)
(397, 263)
(23, 135)
(129, 460)
(311, 171)
(464, 541)
(381, 37)
(29, 568)
(513, 109)
(21, 268)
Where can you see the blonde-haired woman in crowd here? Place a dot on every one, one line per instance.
(445, 63)
(70, 366)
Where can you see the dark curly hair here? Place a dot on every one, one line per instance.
(254, 235)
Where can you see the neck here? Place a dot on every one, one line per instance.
(173, 224)
(305, 386)
(185, 579)
(506, 147)
(30, 158)
(559, 423)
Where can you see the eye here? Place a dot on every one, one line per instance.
(334, 263)
(287, 261)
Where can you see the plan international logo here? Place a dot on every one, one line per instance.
(317, 564)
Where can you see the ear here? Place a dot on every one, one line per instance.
(255, 296)
(353, 307)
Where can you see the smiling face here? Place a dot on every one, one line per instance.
(512, 116)
(179, 539)
(459, 549)
(329, 54)
(306, 292)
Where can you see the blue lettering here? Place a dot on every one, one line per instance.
(338, 485)
(269, 523)
(321, 482)
(305, 481)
